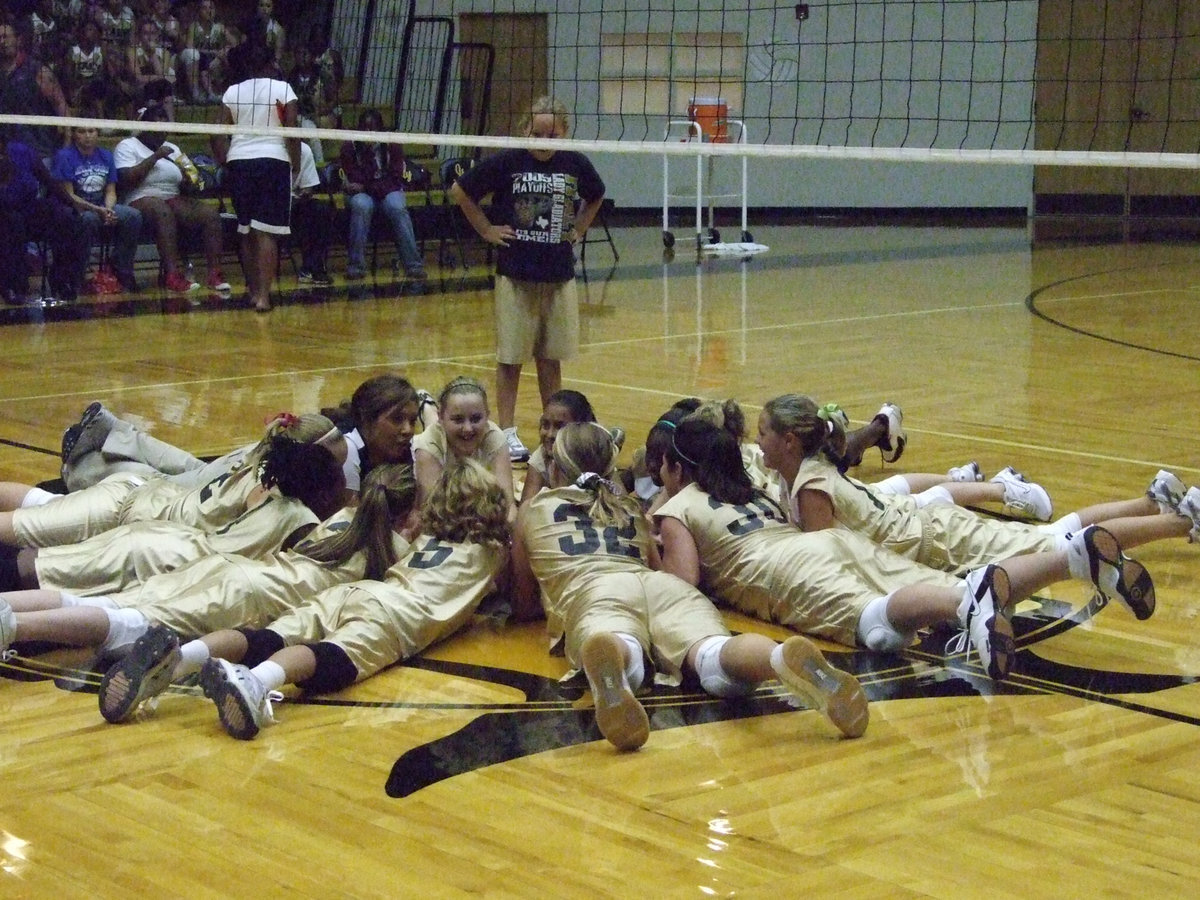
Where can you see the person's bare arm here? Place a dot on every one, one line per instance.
(499, 235)
(220, 142)
(679, 554)
(524, 594)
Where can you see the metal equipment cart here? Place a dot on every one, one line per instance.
(704, 184)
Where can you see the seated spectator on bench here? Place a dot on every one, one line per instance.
(28, 215)
(150, 175)
(89, 177)
(374, 174)
(312, 221)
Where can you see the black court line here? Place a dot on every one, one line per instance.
(31, 447)
(1031, 305)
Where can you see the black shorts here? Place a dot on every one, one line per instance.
(261, 190)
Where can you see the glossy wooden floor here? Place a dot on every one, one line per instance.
(471, 772)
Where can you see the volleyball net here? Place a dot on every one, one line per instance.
(1104, 85)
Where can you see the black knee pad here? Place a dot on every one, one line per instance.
(334, 670)
(261, 644)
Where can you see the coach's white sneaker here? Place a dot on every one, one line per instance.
(517, 451)
(243, 702)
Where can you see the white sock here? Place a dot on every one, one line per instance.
(124, 627)
(1077, 558)
(1067, 525)
(635, 669)
(192, 657)
(271, 674)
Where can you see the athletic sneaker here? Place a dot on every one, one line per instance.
(968, 472)
(243, 702)
(1023, 498)
(216, 282)
(892, 444)
(1114, 574)
(94, 427)
(618, 437)
(806, 673)
(315, 278)
(986, 618)
(145, 673)
(1190, 506)
(69, 439)
(619, 716)
(517, 451)
(1167, 491)
(8, 628)
(424, 399)
(180, 284)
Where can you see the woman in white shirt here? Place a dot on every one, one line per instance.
(258, 168)
(150, 178)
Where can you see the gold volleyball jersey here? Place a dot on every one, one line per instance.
(123, 556)
(425, 597)
(232, 591)
(208, 508)
(596, 580)
(819, 582)
(76, 517)
(943, 536)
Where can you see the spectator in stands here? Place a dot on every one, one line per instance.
(374, 174)
(169, 31)
(264, 16)
(333, 75)
(150, 177)
(89, 177)
(47, 35)
(206, 50)
(83, 74)
(32, 208)
(116, 24)
(152, 68)
(312, 221)
(27, 87)
(305, 79)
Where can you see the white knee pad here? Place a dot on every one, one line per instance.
(635, 669)
(73, 600)
(896, 484)
(875, 630)
(1068, 524)
(124, 627)
(713, 677)
(37, 497)
(934, 496)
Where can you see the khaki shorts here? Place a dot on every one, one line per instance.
(535, 320)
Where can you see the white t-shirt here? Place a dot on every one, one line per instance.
(306, 176)
(254, 102)
(162, 181)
